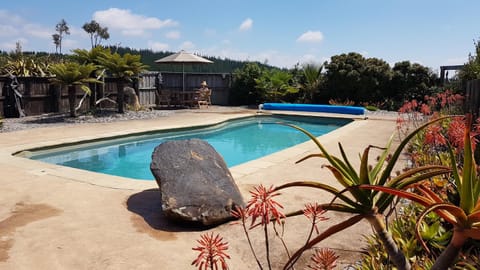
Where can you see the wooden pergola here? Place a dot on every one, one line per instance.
(445, 68)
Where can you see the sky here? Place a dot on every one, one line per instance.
(280, 33)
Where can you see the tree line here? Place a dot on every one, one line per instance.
(348, 78)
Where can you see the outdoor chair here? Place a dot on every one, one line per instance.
(164, 96)
(204, 98)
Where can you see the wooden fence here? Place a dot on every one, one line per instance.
(472, 97)
(220, 83)
(38, 96)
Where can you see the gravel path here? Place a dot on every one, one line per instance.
(105, 116)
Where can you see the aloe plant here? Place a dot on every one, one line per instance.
(402, 228)
(465, 217)
(364, 204)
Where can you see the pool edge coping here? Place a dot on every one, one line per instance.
(117, 182)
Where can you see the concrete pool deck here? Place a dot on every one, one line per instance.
(54, 217)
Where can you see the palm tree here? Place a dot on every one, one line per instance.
(312, 75)
(71, 74)
(123, 68)
(91, 57)
(276, 84)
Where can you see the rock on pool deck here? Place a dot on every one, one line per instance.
(55, 217)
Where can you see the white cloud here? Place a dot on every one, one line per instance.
(272, 57)
(246, 25)
(38, 31)
(187, 45)
(129, 23)
(7, 30)
(276, 58)
(7, 46)
(33, 36)
(308, 58)
(11, 45)
(69, 44)
(7, 17)
(226, 53)
(311, 36)
(157, 46)
(173, 35)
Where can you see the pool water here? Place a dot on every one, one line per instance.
(237, 141)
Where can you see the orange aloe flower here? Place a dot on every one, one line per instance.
(434, 136)
(212, 252)
(263, 206)
(323, 259)
(314, 212)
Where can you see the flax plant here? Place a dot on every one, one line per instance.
(364, 204)
(465, 217)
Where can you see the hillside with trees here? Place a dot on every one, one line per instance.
(220, 65)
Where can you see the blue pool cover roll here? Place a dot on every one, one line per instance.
(314, 108)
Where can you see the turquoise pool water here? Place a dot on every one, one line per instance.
(238, 141)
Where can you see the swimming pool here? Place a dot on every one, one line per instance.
(238, 141)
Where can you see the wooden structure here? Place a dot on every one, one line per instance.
(446, 68)
(472, 97)
(170, 84)
(148, 85)
(38, 95)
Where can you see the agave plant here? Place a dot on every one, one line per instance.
(364, 204)
(465, 217)
(402, 228)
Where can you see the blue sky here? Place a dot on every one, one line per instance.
(283, 33)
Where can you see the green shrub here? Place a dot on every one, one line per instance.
(371, 108)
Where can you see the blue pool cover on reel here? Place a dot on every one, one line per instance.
(314, 108)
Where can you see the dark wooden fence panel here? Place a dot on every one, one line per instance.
(2, 97)
(40, 96)
(36, 95)
(148, 84)
(472, 97)
(220, 83)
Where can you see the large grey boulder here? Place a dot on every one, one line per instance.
(195, 183)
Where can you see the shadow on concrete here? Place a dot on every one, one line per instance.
(148, 205)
